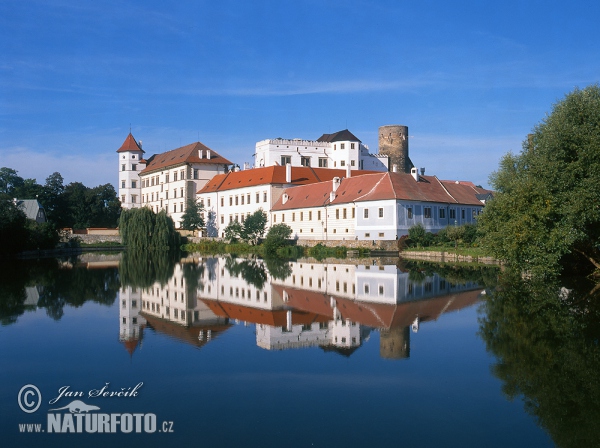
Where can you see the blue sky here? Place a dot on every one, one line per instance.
(469, 78)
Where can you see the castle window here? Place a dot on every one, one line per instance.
(427, 212)
(167, 178)
(343, 163)
(174, 176)
(353, 162)
(381, 212)
(123, 167)
(366, 213)
(351, 145)
(285, 160)
(410, 215)
(305, 161)
(452, 213)
(257, 198)
(342, 146)
(133, 184)
(122, 184)
(133, 198)
(442, 213)
(322, 162)
(134, 167)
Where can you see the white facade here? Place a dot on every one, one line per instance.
(338, 154)
(169, 188)
(223, 207)
(131, 162)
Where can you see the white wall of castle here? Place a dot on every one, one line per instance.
(299, 152)
(223, 207)
(129, 178)
(130, 321)
(170, 188)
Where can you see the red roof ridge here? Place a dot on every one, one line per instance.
(445, 189)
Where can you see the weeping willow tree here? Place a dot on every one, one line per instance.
(142, 229)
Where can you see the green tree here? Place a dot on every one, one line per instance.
(254, 227)
(141, 229)
(547, 206)
(233, 232)
(13, 232)
(192, 217)
(276, 237)
(416, 234)
(9, 182)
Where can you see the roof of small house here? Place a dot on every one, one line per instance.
(31, 207)
(192, 153)
(378, 186)
(130, 144)
(269, 175)
(340, 136)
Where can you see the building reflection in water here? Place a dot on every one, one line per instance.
(331, 306)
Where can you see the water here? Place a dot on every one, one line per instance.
(230, 352)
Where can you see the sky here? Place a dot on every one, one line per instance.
(470, 79)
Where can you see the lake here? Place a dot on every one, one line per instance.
(227, 351)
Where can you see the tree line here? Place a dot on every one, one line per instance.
(73, 205)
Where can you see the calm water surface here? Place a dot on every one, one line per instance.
(233, 352)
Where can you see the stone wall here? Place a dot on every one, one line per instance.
(93, 239)
(446, 257)
(385, 245)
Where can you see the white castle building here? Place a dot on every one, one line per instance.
(338, 150)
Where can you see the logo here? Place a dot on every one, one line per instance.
(77, 407)
(30, 398)
(79, 417)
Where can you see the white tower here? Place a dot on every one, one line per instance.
(131, 162)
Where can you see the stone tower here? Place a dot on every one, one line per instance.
(393, 142)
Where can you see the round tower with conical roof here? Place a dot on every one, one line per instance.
(131, 162)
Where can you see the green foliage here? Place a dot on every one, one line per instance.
(192, 217)
(254, 227)
(250, 270)
(41, 236)
(416, 234)
(547, 204)
(13, 232)
(74, 206)
(142, 229)
(320, 252)
(276, 237)
(233, 232)
(545, 340)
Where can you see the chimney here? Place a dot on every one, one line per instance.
(348, 171)
(395, 168)
(335, 185)
(415, 174)
(140, 144)
(423, 171)
(288, 173)
(208, 154)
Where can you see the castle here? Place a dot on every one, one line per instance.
(381, 195)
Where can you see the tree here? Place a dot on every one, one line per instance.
(233, 231)
(254, 227)
(547, 206)
(9, 182)
(13, 232)
(192, 217)
(276, 237)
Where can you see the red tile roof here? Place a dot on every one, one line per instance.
(186, 154)
(130, 145)
(185, 333)
(464, 192)
(270, 175)
(372, 187)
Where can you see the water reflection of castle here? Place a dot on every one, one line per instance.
(332, 306)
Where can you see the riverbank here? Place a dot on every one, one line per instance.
(445, 257)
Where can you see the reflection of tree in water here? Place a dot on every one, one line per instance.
(251, 270)
(141, 269)
(192, 273)
(482, 275)
(278, 268)
(56, 287)
(546, 341)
